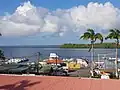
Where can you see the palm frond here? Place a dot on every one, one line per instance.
(112, 30)
(114, 34)
(117, 34)
(99, 36)
(110, 36)
(85, 36)
(117, 31)
(91, 31)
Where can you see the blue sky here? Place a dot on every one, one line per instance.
(44, 36)
(11, 5)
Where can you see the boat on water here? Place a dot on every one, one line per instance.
(16, 60)
(111, 58)
(53, 59)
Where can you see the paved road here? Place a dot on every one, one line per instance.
(82, 72)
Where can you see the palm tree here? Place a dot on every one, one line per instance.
(1, 52)
(92, 36)
(115, 34)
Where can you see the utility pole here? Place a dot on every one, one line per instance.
(56, 60)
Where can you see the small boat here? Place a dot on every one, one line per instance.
(16, 60)
(54, 59)
(113, 59)
(110, 58)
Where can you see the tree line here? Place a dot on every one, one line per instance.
(96, 45)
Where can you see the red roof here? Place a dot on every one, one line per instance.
(54, 61)
(55, 83)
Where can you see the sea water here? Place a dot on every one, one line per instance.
(30, 52)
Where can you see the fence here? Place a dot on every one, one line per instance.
(108, 60)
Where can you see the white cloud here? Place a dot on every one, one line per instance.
(29, 19)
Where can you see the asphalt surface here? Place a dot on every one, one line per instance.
(81, 73)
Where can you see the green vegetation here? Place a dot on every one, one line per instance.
(96, 45)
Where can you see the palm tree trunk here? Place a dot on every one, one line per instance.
(116, 61)
(56, 60)
(92, 57)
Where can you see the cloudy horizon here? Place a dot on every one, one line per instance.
(30, 24)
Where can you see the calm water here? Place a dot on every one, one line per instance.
(65, 53)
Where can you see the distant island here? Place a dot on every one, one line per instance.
(97, 45)
(67, 45)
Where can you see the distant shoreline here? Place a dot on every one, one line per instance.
(96, 45)
(32, 46)
(68, 45)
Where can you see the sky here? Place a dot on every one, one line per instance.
(54, 22)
